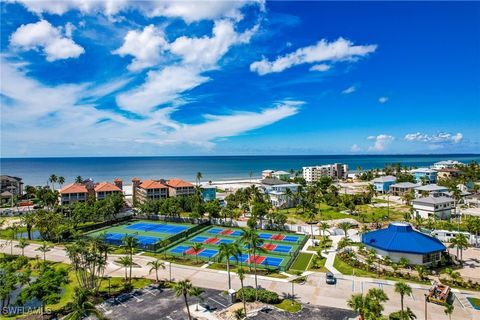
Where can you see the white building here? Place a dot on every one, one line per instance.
(446, 236)
(267, 173)
(431, 190)
(278, 193)
(436, 207)
(448, 164)
(335, 171)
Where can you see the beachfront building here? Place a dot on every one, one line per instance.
(335, 171)
(435, 207)
(148, 190)
(399, 240)
(425, 175)
(447, 173)
(382, 184)
(281, 175)
(105, 189)
(209, 193)
(267, 173)
(180, 188)
(74, 192)
(11, 186)
(399, 189)
(450, 164)
(430, 190)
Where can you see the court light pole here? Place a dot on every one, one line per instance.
(170, 270)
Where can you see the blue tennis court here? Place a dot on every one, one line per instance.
(225, 232)
(200, 239)
(143, 241)
(265, 236)
(156, 227)
(241, 258)
(179, 249)
(282, 249)
(291, 238)
(272, 261)
(208, 253)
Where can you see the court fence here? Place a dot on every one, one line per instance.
(104, 224)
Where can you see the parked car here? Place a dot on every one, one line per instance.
(330, 278)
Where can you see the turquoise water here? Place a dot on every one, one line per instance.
(35, 171)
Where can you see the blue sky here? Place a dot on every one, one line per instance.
(86, 78)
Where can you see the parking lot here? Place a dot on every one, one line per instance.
(153, 303)
(307, 313)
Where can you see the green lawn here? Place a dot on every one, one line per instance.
(289, 306)
(302, 261)
(346, 269)
(318, 264)
(475, 302)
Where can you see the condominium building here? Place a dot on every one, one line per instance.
(105, 189)
(335, 171)
(79, 192)
(447, 164)
(436, 207)
(148, 190)
(425, 174)
(180, 188)
(12, 185)
(73, 192)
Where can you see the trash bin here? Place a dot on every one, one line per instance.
(233, 295)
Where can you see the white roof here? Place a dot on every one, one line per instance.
(405, 185)
(423, 170)
(268, 170)
(384, 179)
(433, 200)
(281, 172)
(448, 162)
(431, 187)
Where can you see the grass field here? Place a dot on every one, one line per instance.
(302, 261)
(475, 302)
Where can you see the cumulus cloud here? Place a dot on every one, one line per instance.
(439, 138)
(349, 90)
(145, 46)
(43, 36)
(189, 11)
(380, 142)
(324, 51)
(355, 148)
(320, 67)
(383, 100)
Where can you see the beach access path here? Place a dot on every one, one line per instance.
(314, 291)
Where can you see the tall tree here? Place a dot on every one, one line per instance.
(460, 242)
(449, 310)
(184, 288)
(241, 277)
(227, 251)
(345, 226)
(254, 243)
(130, 244)
(52, 179)
(155, 266)
(44, 248)
(81, 307)
(402, 289)
(198, 178)
(22, 244)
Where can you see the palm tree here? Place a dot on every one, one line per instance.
(254, 243)
(44, 248)
(359, 304)
(311, 215)
(402, 289)
(345, 226)
(78, 179)
(198, 178)
(241, 277)
(61, 181)
(197, 292)
(126, 262)
(324, 228)
(184, 288)
(449, 310)
(421, 271)
(22, 244)
(197, 247)
(460, 242)
(81, 307)
(129, 244)
(53, 178)
(227, 250)
(155, 266)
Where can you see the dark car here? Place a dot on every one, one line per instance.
(330, 278)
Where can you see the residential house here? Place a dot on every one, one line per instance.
(450, 164)
(335, 171)
(12, 185)
(278, 193)
(149, 190)
(399, 189)
(425, 174)
(281, 175)
(180, 188)
(73, 192)
(267, 173)
(436, 207)
(382, 184)
(105, 189)
(430, 190)
(447, 173)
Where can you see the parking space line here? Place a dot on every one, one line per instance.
(150, 292)
(136, 298)
(218, 302)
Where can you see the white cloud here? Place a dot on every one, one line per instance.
(383, 100)
(380, 142)
(355, 148)
(439, 138)
(189, 11)
(320, 67)
(42, 35)
(145, 46)
(324, 51)
(349, 90)
(160, 87)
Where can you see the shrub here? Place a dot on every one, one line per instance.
(263, 295)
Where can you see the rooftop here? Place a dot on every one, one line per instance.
(178, 183)
(423, 170)
(105, 187)
(431, 187)
(73, 188)
(281, 172)
(384, 179)
(448, 162)
(152, 184)
(405, 185)
(433, 200)
(272, 181)
(401, 237)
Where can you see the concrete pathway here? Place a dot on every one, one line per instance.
(314, 291)
(332, 252)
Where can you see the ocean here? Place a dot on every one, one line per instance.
(35, 171)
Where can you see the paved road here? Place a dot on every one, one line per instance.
(315, 291)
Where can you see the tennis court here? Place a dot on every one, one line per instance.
(148, 233)
(279, 237)
(226, 232)
(189, 250)
(210, 240)
(265, 260)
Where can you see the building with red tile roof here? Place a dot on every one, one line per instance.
(149, 189)
(73, 192)
(105, 189)
(180, 188)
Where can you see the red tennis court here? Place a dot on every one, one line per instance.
(192, 251)
(227, 232)
(212, 240)
(269, 246)
(278, 237)
(256, 259)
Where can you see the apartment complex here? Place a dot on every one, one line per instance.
(11, 185)
(335, 171)
(80, 192)
(157, 189)
(447, 164)
(435, 207)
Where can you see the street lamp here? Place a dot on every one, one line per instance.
(426, 300)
